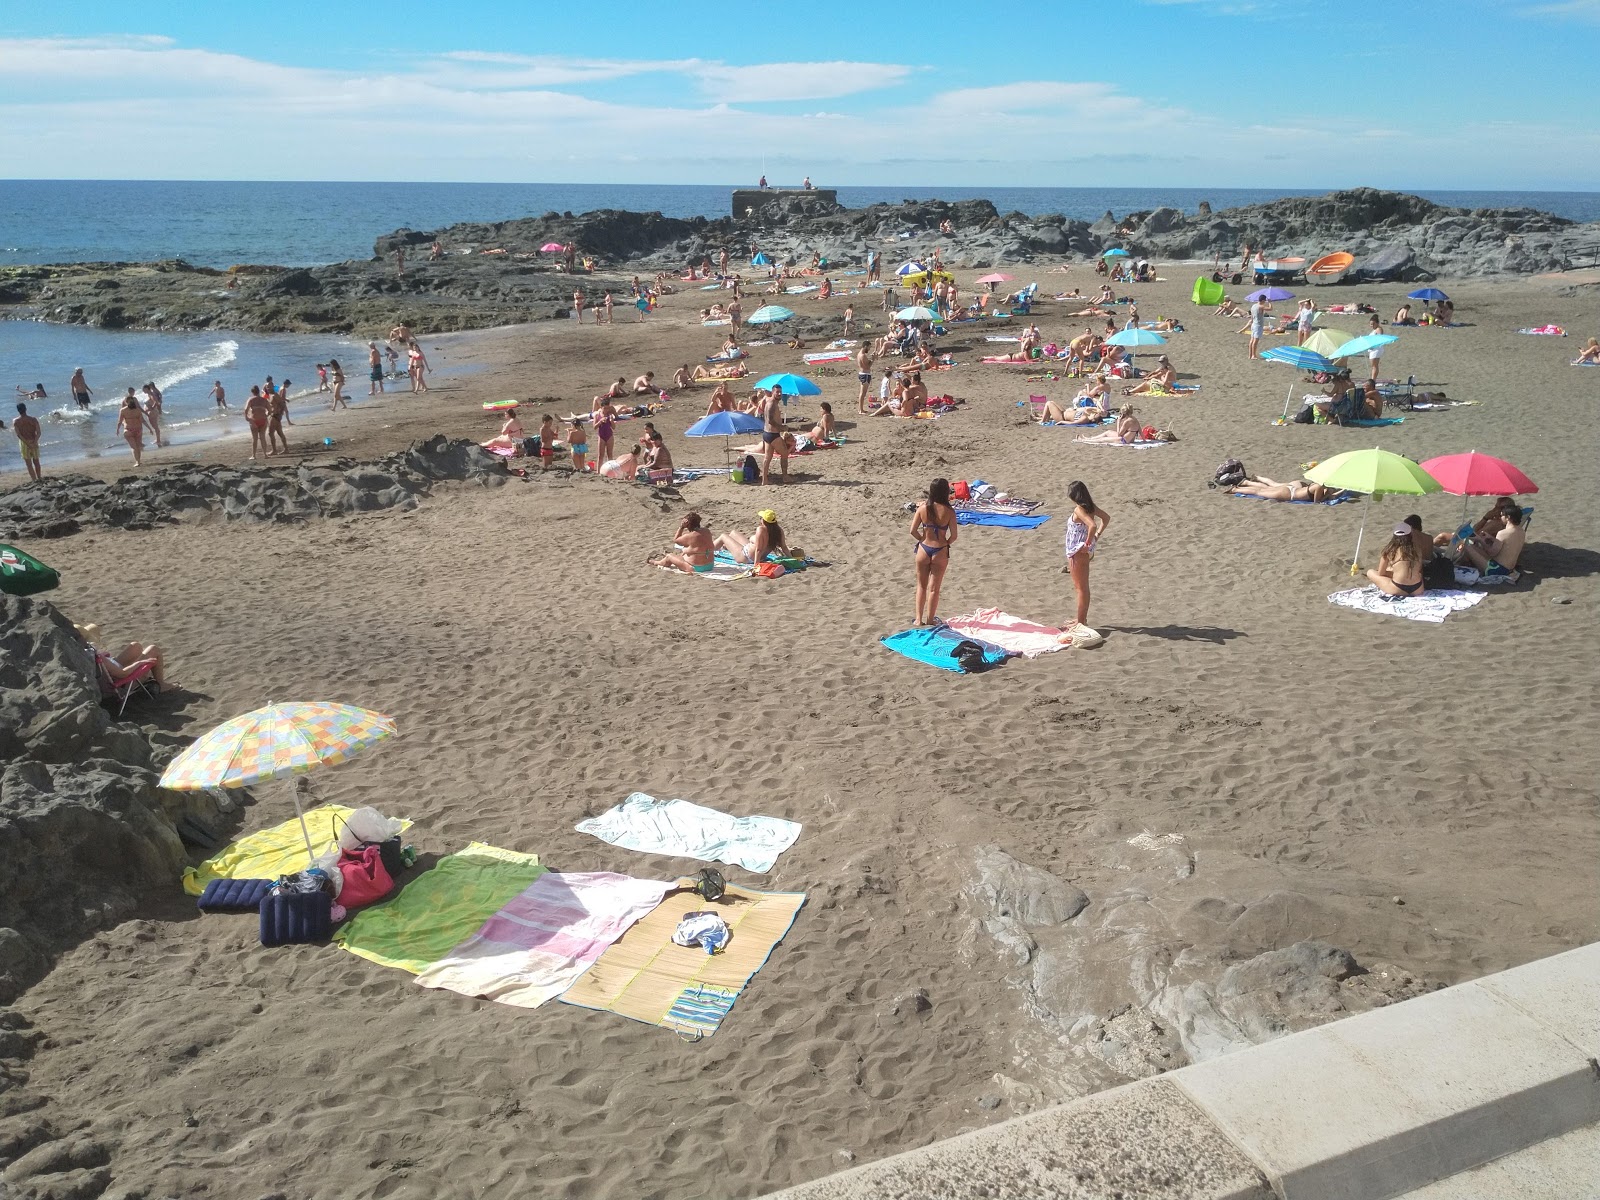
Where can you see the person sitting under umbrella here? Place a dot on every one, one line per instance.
(1496, 556)
(1399, 569)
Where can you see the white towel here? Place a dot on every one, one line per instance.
(678, 827)
(1432, 606)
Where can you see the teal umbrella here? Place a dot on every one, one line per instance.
(1116, 252)
(790, 385)
(769, 314)
(1136, 337)
(1368, 341)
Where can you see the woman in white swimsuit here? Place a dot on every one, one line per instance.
(1085, 527)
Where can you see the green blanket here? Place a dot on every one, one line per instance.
(440, 908)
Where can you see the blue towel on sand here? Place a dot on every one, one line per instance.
(1001, 520)
(936, 647)
(1335, 500)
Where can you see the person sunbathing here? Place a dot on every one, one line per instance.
(1399, 569)
(767, 539)
(645, 384)
(1090, 310)
(682, 378)
(1228, 308)
(722, 399)
(1297, 491)
(624, 466)
(1402, 315)
(1497, 555)
(822, 432)
(1016, 356)
(731, 371)
(1125, 433)
(1085, 414)
(1589, 354)
(510, 436)
(123, 663)
(1162, 379)
(699, 549)
(656, 455)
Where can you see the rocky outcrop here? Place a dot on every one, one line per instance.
(63, 504)
(493, 273)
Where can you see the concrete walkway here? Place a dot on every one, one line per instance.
(1490, 1088)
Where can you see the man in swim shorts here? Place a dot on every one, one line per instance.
(863, 375)
(771, 431)
(80, 389)
(374, 369)
(27, 430)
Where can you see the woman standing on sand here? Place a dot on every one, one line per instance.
(934, 529)
(417, 366)
(152, 410)
(130, 424)
(338, 386)
(1085, 527)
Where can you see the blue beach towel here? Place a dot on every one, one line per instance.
(936, 647)
(1336, 500)
(1367, 421)
(1001, 520)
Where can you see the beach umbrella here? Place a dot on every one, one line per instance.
(1116, 252)
(1374, 473)
(1325, 343)
(760, 259)
(1299, 358)
(769, 314)
(23, 575)
(1426, 294)
(1474, 474)
(724, 425)
(910, 268)
(916, 313)
(1367, 341)
(996, 277)
(276, 742)
(789, 385)
(551, 248)
(1270, 293)
(1136, 337)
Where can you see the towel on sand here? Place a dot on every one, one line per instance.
(1141, 444)
(936, 647)
(1345, 498)
(648, 978)
(1016, 634)
(545, 937)
(1432, 606)
(678, 827)
(439, 908)
(1001, 520)
(828, 356)
(270, 853)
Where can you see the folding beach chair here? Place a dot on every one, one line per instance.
(141, 679)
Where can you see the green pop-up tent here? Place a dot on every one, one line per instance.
(1206, 292)
(22, 574)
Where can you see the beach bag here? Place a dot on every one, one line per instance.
(1306, 415)
(366, 879)
(710, 884)
(751, 471)
(1229, 474)
(960, 491)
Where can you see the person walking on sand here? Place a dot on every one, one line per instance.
(417, 366)
(933, 527)
(606, 305)
(1085, 527)
(81, 392)
(256, 412)
(27, 430)
(130, 424)
(374, 369)
(283, 394)
(577, 303)
(771, 431)
(338, 386)
(863, 375)
(1258, 324)
(277, 406)
(152, 410)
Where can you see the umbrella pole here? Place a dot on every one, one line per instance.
(1355, 563)
(1286, 400)
(294, 794)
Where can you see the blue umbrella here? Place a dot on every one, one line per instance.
(724, 424)
(1426, 294)
(1367, 341)
(1300, 359)
(1136, 337)
(910, 268)
(1116, 252)
(760, 259)
(770, 314)
(1271, 293)
(789, 385)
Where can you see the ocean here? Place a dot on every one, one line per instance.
(219, 224)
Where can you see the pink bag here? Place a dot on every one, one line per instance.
(366, 879)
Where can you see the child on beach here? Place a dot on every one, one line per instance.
(1085, 527)
(547, 442)
(322, 377)
(579, 442)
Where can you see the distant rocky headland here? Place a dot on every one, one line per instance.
(493, 273)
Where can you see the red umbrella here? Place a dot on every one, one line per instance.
(551, 248)
(997, 277)
(1475, 474)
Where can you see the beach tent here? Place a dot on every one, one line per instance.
(23, 575)
(760, 259)
(1206, 292)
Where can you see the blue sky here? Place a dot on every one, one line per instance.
(1269, 93)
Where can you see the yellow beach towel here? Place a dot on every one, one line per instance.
(270, 853)
(643, 975)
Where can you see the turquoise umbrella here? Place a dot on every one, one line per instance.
(1136, 337)
(1116, 252)
(770, 314)
(1367, 341)
(790, 385)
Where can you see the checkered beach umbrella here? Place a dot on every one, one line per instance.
(275, 742)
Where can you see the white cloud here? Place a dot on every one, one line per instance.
(796, 80)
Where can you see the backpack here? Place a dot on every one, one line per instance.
(751, 471)
(1305, 415)
(1229, 474)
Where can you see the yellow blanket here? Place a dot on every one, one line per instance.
(270, 853)
(643, 975)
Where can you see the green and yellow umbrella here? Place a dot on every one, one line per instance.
(276, 742)
(1375, 473)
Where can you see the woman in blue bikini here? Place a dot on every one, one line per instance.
(934, 528)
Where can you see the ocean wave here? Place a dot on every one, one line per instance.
(201, 362)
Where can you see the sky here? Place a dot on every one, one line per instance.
(1473, 94)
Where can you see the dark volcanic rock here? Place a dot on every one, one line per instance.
(63, 504)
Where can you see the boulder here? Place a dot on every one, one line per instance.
(1008, 888)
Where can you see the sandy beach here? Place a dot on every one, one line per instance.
(1420, 795)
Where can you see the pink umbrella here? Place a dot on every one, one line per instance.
(551, 248)
(1474, 474)
(995, 278)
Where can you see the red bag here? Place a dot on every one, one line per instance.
(960, 491)
(366, 879)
